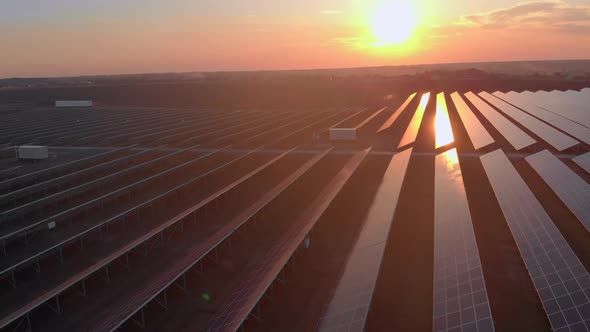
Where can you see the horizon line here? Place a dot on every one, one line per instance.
(285, 70)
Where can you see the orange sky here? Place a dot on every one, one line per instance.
(210, 38)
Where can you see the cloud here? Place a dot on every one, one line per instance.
(558, 15)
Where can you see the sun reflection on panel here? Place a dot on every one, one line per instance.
(412, 130)
(442, 123)
(451, 159)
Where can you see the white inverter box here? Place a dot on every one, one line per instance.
(73, 103)
(33, 152)
(342, 134)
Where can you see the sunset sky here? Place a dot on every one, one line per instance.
(72, 37)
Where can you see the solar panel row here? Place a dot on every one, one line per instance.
(51, 172)
(460, 295)
(389, 122)
(73, 127)
(370, 117)
(349, 305)
(301, 126)
(60, 181)
(141, 125)
(551, 135)
(561, 281)
(17, 227)
(514, 135)
(254, 286)
(77, 276)
(477, 133)
(239, 222)
(348, 118)
(460, 299)
(412, 130)
(583, 161)
(576, 130)
(108, 319)
(571, 189)
(561, 105)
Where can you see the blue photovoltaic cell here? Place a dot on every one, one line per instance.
(583, 161)
(478, 134)
(516, 137)
(526, 103)
(554, 137)
(573, 191)
(349, 306)
(561, 281)
(412, 131)
(460, 300)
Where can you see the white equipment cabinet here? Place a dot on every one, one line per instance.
(342, 134)
(32, 152)
(73, 103)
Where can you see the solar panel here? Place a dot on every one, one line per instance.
(81, 188)
(560, 280)
(516, 137)
(571, 189)
(370, 117)
(64, 215)
(573, 97)
(554, 105)
(255, 128)
(526, 103)
(442, 123)
(396, 114)
(349, 306)
(460, 300)
(352, 116)
(554, 137)
(208, 126)
(63, 179)
(577, 97)
(115, 315)
(278, 128)
(36, 176)
(10, 170)
(251, 290)
(561, 105)
(115, 130)
(234, 224)
(412, 131)
(477, 133)
(583, 161)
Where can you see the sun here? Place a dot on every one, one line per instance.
(393, 22)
